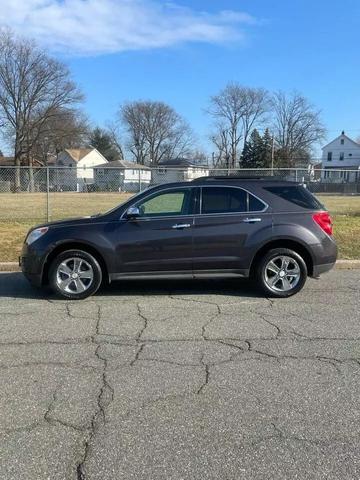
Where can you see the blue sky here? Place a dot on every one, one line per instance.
(185, 51)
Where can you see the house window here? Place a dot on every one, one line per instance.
(329, 156)
(341, 156)
(162, 171)
(342, 141)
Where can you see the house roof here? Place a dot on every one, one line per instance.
(340, 137)
(124, 164)
(180, 162)
(78, 154)
(7, 161)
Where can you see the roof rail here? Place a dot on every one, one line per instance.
(237, 177)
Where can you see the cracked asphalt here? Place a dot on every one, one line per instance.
(181, 380)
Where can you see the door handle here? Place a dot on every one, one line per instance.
(251, 220)
(181, 226)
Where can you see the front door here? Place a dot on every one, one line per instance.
(230, 220)
(160, 240)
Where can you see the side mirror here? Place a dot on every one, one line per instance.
(133, 212)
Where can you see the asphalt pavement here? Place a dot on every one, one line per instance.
(179, 381)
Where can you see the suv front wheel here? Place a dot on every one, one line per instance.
(281, 272)
(75, 274)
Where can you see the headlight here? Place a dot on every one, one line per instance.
(36, 234)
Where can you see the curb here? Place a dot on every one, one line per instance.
(347, 264)
(9, 267)
(340, 265)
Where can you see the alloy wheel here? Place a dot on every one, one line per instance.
(282, 273)
(74, 275)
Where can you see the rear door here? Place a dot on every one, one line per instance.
(226, 231)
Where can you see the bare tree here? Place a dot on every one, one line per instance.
(33, 89)
(114, 131)
(221, 139)
(155, 131)
(236, 111)
(297, 126)
(257, 105)
(66, 129)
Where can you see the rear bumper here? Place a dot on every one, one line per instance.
(320, 269)
(324, 256)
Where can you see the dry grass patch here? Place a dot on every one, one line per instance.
(20, 211)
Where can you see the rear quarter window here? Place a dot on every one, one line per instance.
(297, 195)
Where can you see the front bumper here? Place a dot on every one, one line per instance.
(31, 263)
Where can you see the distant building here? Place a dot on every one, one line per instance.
(121, 175)
(342, 154)
(79, 173)
(7, 161)
(178, 170)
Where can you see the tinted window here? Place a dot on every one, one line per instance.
(296, 194)
(223, 200)
(255, 205)
(174, 202)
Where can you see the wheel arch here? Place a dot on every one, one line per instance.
(73, 245)
(285, 243)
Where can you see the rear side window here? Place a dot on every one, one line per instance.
(229, 200)
(255, 205)
(223, 200)
(296, 194)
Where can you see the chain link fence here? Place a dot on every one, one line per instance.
(37, 194)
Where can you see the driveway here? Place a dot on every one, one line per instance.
(180, 381)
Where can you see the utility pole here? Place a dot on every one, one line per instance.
(272, 155)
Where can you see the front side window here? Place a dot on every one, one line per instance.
(170, 203)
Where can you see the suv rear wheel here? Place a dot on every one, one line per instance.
(281, 272)
(75, 274)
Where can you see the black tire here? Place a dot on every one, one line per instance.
(263, 269)
(58, 280)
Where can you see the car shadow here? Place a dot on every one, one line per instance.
(15, 285)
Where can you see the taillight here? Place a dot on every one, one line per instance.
(324, 221)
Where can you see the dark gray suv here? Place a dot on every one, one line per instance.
(273, 231)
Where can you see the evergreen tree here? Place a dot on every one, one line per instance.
(103, 142)
(252, 156)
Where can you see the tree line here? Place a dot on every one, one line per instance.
(41, 114)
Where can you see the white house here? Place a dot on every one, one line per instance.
(342, 154)
(178, 170)
(121, 175)
(79, 174)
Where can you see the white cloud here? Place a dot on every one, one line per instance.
(90, 27)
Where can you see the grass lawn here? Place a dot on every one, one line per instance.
(346, 215)
(21, 211)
